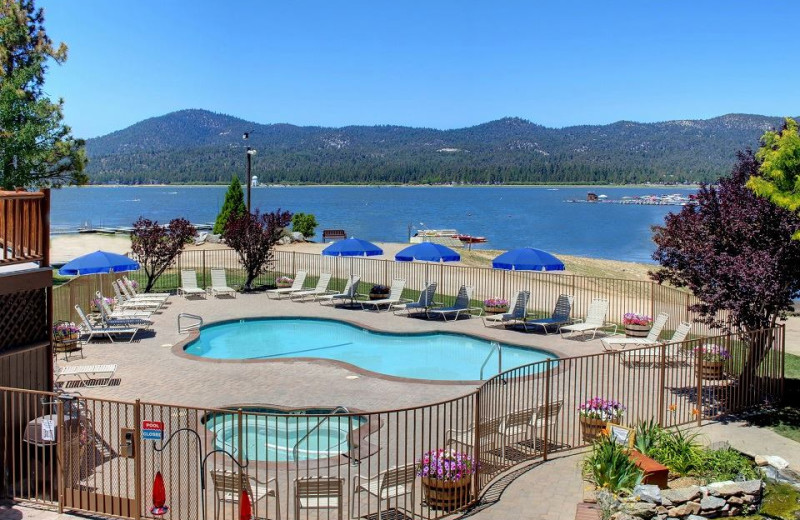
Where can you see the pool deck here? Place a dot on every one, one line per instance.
(151, 371)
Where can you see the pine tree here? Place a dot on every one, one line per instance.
(233, 205)
(36, 149)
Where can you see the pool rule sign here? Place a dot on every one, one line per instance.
(152, 430)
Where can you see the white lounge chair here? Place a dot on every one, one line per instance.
(219, 283)
(560, 316)
(388, 484)
(424, 302)
(395, 296)
(86, 373)
(595, 320)
(189, 285)
(516, 314)
(320, 290)
(462, 304)
(652, 337)
(125, 302)
(134, 292)
(350, 292)
(651, 357)
(120, 313)
(120, 319)
(297, 286)
(103, 330)
(228, 487)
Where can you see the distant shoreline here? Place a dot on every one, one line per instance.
(223, 185)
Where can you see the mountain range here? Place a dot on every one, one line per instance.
(198, 146)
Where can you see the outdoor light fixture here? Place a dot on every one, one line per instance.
(250, 153)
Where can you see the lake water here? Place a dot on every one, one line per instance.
(509, 217)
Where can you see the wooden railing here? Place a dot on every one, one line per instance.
(24, 227)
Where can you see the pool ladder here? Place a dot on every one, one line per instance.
(192, 326)
(296, 447)
(495, 347)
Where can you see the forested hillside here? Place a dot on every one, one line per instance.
(201, 146)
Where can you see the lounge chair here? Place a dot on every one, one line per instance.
(228, 487)
(595, 320)
(86, 373)
(219, 283)
(560, 316)
(388, 484)
(124, 302)
(350, 292)
(395, 296)
(320, 290)
(516, 314)
(318, 493)
(122, 318)
(297, 286)
(189, 285)
(651, 357)
(462, 304)
(103, 330)
(131, 290)
(651, 339)
(424, 302)
(119, 313)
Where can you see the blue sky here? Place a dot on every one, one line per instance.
(429, 63)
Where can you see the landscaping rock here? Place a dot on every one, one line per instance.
(734, 511)
(680, 495)
(751, 487)
(725, 488)
(689, 508)
(297, 237)
(648, 493)
(771, 460)
(711, 503)
(641, 509)
(696, 517)
(622, 515)
(735, 500)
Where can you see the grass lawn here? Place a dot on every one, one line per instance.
(785, 419)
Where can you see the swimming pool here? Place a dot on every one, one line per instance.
(285, 435)
(440, 356)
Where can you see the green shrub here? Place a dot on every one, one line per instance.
(610, 468)
(647, 435)
(679, 452)
(725, 464)
(304, 223)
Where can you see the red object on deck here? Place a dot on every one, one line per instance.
(471, 239)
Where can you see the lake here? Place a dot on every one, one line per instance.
(509, 217)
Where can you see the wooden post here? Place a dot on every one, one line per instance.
(44, 247)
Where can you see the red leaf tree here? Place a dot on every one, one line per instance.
(156, 246)
(734, 251)
(253, 236)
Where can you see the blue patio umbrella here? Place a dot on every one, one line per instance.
(352, 247)
(528, 259)
(427, 252)
(98, 262)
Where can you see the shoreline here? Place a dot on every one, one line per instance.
(222, 185)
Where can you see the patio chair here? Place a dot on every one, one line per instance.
(189, 285)
(86, 373)
(228, 487)
(595, 320)
(652, 337)
(297, 285)
(424, 302)
(462, 304)
(219, 283)
(350, 292)
(651, 357)
(103, 330)
(318, 493)
(321, 289)
(560, 316)
(395, 296)
(121, 321)
(131, 289)
(108, 313)
(391, 483)
(516, 314)
(124, 302)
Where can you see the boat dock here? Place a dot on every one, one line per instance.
(675, 199)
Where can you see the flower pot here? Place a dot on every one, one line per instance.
(712, 369)
(499, 309)
(283, 285)
(378, 296)
(591, 428)
(447, 495)
(637, 331)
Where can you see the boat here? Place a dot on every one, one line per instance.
(444, 235)
(469, 239)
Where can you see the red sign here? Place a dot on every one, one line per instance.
(152, 425)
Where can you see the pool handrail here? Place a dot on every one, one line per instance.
(296, 447)
(495, 346)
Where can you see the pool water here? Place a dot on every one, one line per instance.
(285, 436)
(438, 356)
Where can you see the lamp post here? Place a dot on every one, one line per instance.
(250, 152)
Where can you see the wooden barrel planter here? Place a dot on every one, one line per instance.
(283, 285)
(378, 296)
(592, 428)
(637, 331)
(712, 369)
(447, 495)
(499, 309)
